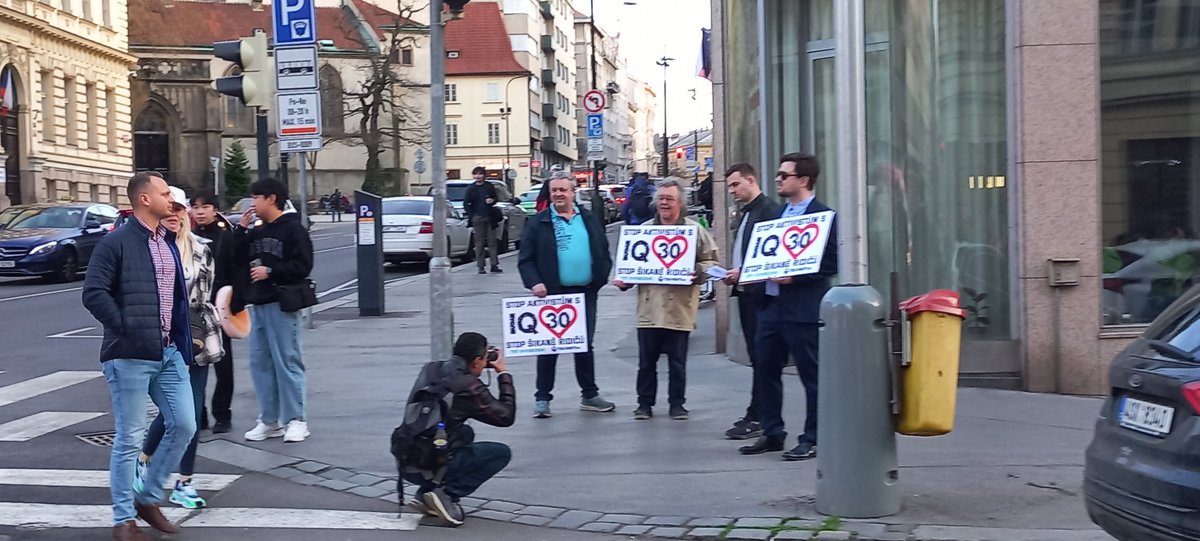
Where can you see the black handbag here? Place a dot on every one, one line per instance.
(296, 297)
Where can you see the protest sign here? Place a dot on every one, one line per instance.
(656, 254)
(786, 247)
(551, 325)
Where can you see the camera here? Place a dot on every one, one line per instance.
(493, 355)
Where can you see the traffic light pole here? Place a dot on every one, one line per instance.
(260, 137)
(441, 296)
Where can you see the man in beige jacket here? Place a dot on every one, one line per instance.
(667, 313)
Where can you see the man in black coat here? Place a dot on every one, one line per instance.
(565, 250)
(206, 210)
(756, 208)
(788, 319)
(479, 204)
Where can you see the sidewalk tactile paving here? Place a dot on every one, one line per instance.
(492, 514)
(710, 522)
(499, 505)
(622, 519)
(758, 522)
(669, 532)
(532, 520)
(542, 511)
(705, 533)
(748, 534)
(574, 518)
(310, 466)
(667, 521)
(600, 527)
(634, 529)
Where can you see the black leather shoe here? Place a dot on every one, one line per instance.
(762, 445)
(803, 451)
(642, 413)
(744, 430)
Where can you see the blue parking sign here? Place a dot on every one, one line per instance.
(295, 22)
(595, 125)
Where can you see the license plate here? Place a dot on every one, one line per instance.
(7, 264)
(1146, 417)
(394, 229)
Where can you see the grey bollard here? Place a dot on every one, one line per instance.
(857, 470)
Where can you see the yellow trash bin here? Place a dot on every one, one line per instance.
(931, 380)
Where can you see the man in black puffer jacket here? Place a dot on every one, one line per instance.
(135, 289)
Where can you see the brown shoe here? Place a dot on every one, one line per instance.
(129, 531)
(154, 517)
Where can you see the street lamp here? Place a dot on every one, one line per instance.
(506, 112)
(665, 63)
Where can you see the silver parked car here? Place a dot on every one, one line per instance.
(408, 230)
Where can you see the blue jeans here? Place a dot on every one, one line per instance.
(275, 363)
(187, 464)
(168, 385)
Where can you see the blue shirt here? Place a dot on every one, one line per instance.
(574, 250)
(790, 211)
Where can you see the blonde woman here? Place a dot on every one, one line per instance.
(198, 271)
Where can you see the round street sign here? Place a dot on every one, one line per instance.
(594, 101)
(419, 167)
(512, 174)
(420, 153)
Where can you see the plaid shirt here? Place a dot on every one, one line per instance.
(164, 272)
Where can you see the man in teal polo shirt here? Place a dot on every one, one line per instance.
(565, 250)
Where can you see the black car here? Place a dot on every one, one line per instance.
(1142, 470)
(52, 240)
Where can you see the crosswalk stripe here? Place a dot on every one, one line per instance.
(44, 384)
(36, 516)
(45, 422)
(97, 479)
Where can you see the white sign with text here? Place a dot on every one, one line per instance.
(786, 247)
(551, 325)
(657, 254)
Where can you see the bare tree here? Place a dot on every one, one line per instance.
(384, 102)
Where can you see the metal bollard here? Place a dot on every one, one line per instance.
(857, 470)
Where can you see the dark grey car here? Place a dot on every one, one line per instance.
(1142, 472)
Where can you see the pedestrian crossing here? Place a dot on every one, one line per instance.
(43, 515)
(41, 423)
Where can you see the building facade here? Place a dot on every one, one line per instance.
(642, 102)
(597, 53)
(1040, 158)
(64, 113)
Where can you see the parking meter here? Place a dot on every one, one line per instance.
(369, 245)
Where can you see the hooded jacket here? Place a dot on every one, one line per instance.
(282, 246)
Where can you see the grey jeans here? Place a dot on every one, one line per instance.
(485, 233)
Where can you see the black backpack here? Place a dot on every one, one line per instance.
(412, 443)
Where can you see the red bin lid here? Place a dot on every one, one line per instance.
(939, 300)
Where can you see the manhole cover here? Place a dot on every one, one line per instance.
(350, 312)
(105, 438)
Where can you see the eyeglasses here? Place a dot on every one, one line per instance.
(784, 176)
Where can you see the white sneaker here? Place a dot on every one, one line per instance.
(297, 431)
(262, 431)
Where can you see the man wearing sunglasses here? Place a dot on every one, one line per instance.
(787, 320)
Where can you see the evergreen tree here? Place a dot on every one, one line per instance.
(237, 172)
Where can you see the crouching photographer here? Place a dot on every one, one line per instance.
(435, 448)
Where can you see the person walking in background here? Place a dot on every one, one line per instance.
(666, 314)
(756, 208)
(135, 288)
(210, 225)
(279, 253)
(788, 320)
(335, 202)
(479, 203)
(565, 250)
(199, 272)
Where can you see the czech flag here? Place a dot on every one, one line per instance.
(704, 63)
(6, 91)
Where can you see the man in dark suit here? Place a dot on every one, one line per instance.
(787, 321)
(756, 207)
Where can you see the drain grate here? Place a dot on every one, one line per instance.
(105, 438)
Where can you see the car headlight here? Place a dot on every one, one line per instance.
(43, 248)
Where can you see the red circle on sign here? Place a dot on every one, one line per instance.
(594, 101)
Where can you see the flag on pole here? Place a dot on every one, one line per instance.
(6, 91)
(704, 63)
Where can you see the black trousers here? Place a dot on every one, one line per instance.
(585, 363)
(748, 306)
(223, 393)
(652, 344)
(778, 338)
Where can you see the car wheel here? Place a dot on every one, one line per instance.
(68, 271)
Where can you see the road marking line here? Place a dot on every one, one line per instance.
(44, 516)
(44, 384)
(42, 294)
(97, 479)
(338, 288)
(333, 249)
(41, 423)
(74, 334)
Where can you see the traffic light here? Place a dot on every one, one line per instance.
(601, 164)
(680, 153)
(255, 85)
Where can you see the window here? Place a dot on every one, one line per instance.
(93, 117)
(106, 12)
(406, 56)
(451, 93)
(48, 106)
(110, 112)
(237, 116)
(66, 5)
(451, 134)
(333, 117)
(493, 133)
(86, 9)
(492, 92)
(71, 96)
(453, 174)
(1150, 167)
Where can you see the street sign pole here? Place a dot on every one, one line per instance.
(441, 297)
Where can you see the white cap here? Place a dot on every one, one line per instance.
(178, 195)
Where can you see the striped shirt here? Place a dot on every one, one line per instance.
(164, 274)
